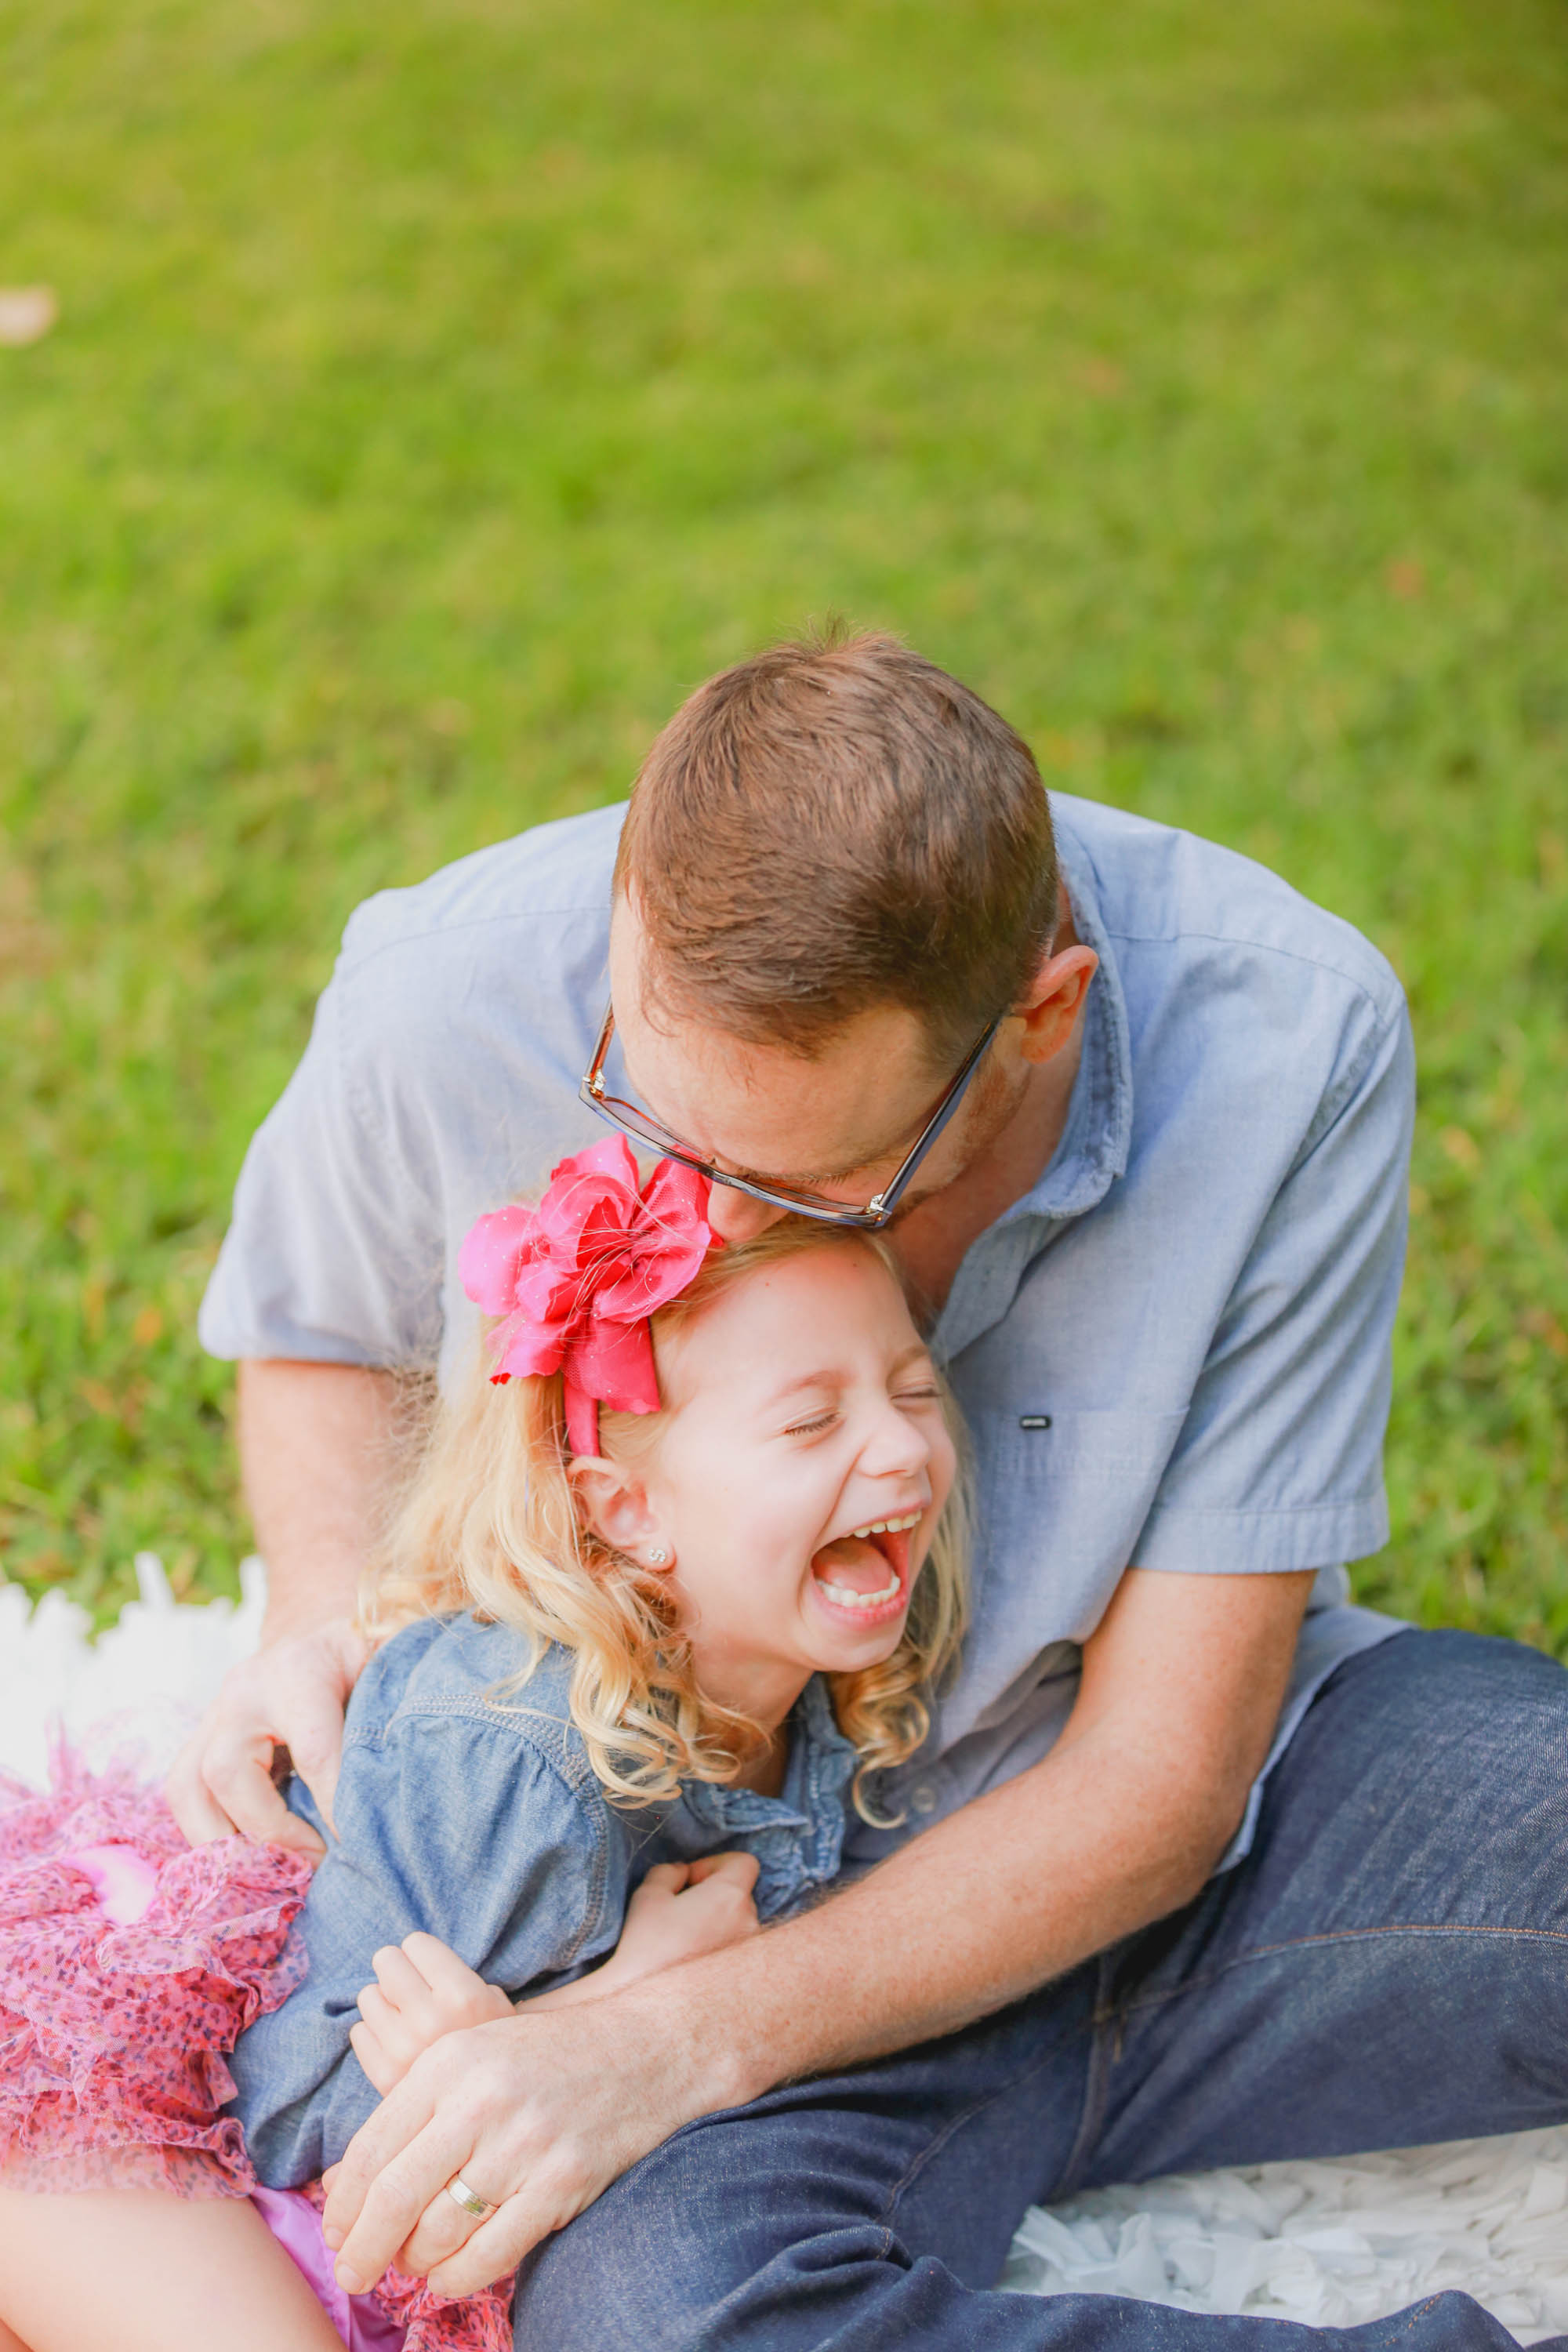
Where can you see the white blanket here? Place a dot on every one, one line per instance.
(1331, 2244)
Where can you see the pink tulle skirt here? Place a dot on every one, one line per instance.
(129, 1963)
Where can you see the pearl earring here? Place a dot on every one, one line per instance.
(658, 1557)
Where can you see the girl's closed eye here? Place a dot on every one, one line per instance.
(813, 1427)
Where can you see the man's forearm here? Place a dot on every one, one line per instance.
(1016, 1889)
(316, 1443)
(1120, 1824)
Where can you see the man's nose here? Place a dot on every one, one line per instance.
(736, 1217)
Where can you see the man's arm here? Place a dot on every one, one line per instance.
(1121, 1823)
(315, 1443)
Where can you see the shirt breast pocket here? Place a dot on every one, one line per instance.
(1116, 1445)
(1064, 1496)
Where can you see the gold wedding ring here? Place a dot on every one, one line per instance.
(459, 2192)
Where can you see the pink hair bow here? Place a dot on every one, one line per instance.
(575, 1280)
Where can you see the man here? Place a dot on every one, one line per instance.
(1200, 1865)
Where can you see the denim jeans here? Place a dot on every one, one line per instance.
(1389, 1964)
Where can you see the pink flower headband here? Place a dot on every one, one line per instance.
(576, 1279)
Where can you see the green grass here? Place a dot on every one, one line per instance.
(441, 388)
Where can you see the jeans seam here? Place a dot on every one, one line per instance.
(933, 2147)
(1336, 1936)
(1105, 2048)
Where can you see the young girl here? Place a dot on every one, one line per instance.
(664, 1597)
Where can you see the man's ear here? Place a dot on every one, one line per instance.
(1054, 1000)
(615, 1506)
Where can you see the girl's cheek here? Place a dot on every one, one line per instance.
(944, 1465)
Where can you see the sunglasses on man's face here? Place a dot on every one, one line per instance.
(643, 1128)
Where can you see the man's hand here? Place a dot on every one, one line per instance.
(422, 1991)
(314, 1439)
(681, 1911)
(291, 1695)
(539, 2113)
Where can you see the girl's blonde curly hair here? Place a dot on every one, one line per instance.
(490, 1523)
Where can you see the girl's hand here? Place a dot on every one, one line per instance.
(422, 1991)
(681, 1910)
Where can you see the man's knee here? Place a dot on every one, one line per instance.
(648, 2262)
(1430, 1778)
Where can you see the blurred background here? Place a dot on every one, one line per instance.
(440, 388)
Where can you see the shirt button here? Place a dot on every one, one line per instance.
(923, 1799)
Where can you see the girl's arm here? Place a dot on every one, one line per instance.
(423, 1990)
(453, 1823)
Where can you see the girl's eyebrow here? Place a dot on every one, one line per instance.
(835, 1378)
(824, 1380)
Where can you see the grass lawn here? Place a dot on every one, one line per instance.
(443, 386)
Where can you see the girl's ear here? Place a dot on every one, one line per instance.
(615, 1506)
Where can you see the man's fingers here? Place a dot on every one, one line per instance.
(316, 1752)
(239, 1780)
(442, 2229)
(289, 1695)
(237, 1798)
(316, 1718)
(501, 2241)
(391, 2207)
(395, 2124)
(191, 1801)
(497, 2245)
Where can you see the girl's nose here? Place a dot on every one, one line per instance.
(897, 1447)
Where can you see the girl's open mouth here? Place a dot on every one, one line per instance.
(865, 1574)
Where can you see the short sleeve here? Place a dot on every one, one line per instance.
(335, 1252)
(1279, 1462)
(448, 1823)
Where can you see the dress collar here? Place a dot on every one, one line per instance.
(821, 1761)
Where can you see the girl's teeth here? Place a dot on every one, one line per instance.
(888, 1527)
(848, 1600)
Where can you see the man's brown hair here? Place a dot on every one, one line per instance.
(833, 826)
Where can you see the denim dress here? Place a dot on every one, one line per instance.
(466, 1807)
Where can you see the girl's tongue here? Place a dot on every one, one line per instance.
(862, 1564)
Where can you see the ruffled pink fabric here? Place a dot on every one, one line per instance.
(574, 1281)
(113, 2026)
(130, 1962)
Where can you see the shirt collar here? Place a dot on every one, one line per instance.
(1098, 1132)
(1092, 1150)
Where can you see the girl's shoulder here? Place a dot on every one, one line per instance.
(474, 1673)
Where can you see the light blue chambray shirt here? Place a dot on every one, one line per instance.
(1173, 1353)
